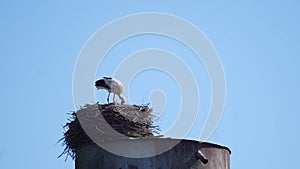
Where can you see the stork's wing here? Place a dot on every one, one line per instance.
(102, 84)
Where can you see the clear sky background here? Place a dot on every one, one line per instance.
(257, 41)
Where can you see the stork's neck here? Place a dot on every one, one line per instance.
(123, 99)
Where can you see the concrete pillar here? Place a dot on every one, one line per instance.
(188, 154)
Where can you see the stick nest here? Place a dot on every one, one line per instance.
(96, 122)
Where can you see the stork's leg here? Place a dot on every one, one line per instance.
(108, 97)
(114, 97)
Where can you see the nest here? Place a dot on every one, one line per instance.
(96, 122)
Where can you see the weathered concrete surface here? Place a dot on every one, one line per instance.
(184, 155)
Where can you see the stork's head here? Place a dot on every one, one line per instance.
(123, 99)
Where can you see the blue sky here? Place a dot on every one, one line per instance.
(257, 42)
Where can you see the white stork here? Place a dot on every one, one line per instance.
(112, 85)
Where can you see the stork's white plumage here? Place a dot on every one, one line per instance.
(112, 85)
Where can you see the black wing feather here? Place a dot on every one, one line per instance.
(101, 83)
